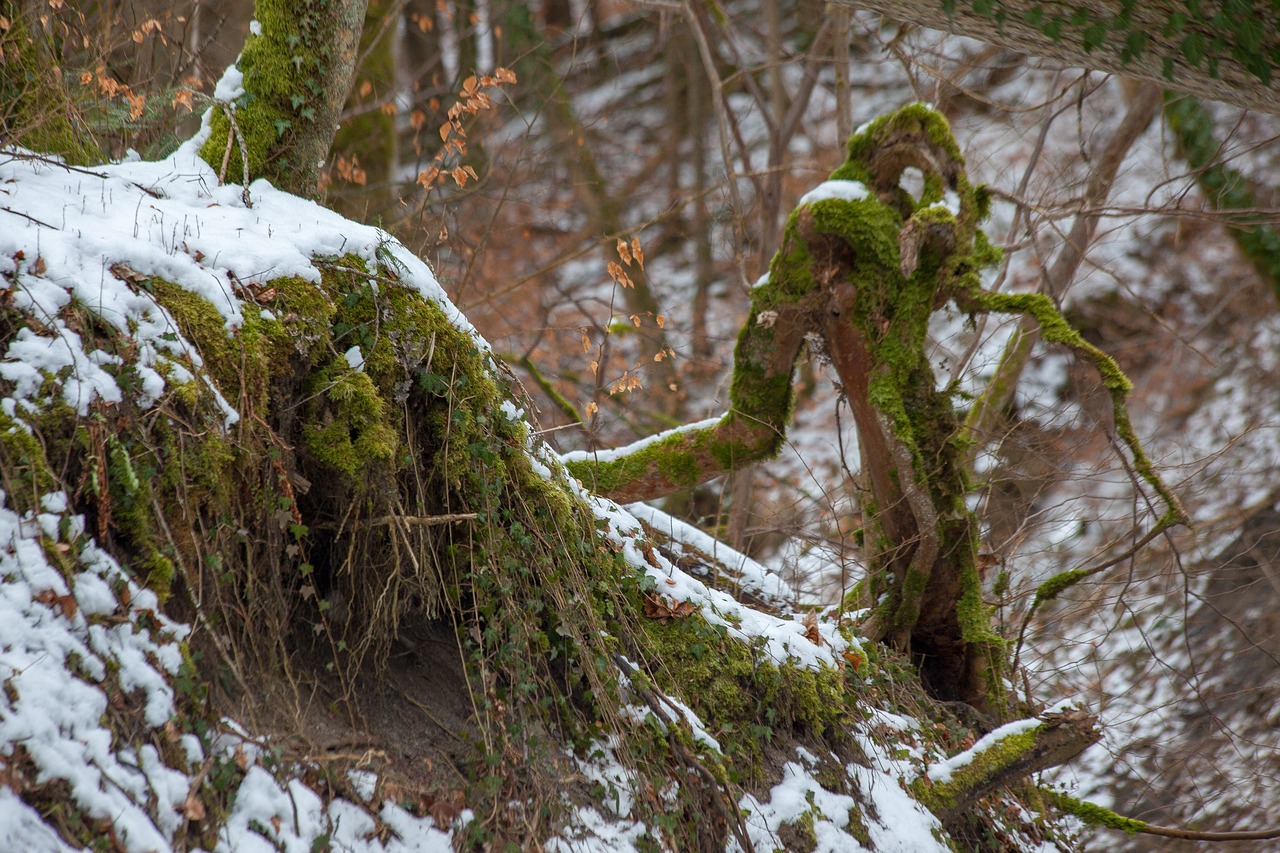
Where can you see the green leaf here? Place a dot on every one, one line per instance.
(1053, 29)
(1166, 68)
(1134, 44)
(1193, 49)
(1094, 36)
(984, 7)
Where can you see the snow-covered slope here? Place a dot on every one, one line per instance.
(99, 742)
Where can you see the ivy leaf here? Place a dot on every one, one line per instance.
(1193, 48)
(1133, 47)
(1094, 36)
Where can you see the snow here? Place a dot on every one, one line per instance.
(943, 772)
(614, 453)
(797, 794)
(747, 573)
(841, 190)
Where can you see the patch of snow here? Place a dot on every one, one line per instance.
(614, 453)
(943, 771)
(841, 190)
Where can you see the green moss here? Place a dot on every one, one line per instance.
(27, 474)
(37, 108)
(1093, 814)
(857, 826)
(941, 797)
(352, 433)
(742, 697)
(287, 66)
(1057, 584)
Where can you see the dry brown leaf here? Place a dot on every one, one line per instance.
(446, 808)
(193, 809)
(66, 604)
(662, 608)
(811, 632)
(636, 251)
(649, 556)
(624, 252)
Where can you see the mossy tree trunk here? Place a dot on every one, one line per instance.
(37, 110)
(862, 267)
(297, 65)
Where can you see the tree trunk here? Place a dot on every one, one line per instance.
(297, 65)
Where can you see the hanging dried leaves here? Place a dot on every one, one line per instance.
(453, 133)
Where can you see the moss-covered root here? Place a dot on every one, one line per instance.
(1005, 756)
(297, 67)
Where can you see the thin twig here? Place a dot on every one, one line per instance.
(423, 520)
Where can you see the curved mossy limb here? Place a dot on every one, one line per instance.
(862, 267)
(1093, 814)
(1055, 329)
(297, 66)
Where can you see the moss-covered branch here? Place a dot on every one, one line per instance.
(1095, 815)
(1055, 329)
(1004, 757)
(1222, 51)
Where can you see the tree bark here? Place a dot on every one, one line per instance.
(297, 65)
(1210, 54)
